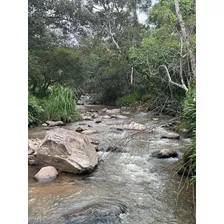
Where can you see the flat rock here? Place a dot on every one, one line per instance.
(44, 125)
(55, 123)
(113, 111)
(46, 174)
(86, 117)
(106, 117)
(131, 126)
(171, 135)
(120, 116)
(89, 131)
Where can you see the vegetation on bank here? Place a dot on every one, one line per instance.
(59, 104)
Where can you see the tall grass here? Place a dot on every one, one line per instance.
(35, 111)
(190, 117)
(61, 104)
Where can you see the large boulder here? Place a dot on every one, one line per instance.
(67, 151)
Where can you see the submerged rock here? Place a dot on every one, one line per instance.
(67, 151)
(100, 212)
(46, 174)
(165, 153)
(171, 135)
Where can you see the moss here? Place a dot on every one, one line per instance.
(183, 125)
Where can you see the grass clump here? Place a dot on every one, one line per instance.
(61, 104)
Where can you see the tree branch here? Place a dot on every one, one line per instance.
(171, 81)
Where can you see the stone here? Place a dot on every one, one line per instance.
(95, 115)
(79, 129)
(67, 151)
(94, 142)
(184, 130)
(165, 153)
(55, 123)
(155, 119)
(171, 135)
(106, 117)
(86, 117)
(46, 174)
(88, 131)
(44, 125)
(103, 110)
(113, 111)
(120, 116)
(31, 160)
(96, 212)
(98, 121)
(131, 126)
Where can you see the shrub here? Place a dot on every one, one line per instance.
(61, 104)
(35, 111)
(129, 99)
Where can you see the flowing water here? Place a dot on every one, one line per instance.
(148, 189)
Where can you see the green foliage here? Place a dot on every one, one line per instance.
(190, 117)
(35, 111)
(61, 104)
(128, 100)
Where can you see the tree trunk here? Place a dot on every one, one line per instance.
(185, 38)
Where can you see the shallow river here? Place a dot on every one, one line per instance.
(148, 188)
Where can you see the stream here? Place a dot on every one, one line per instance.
(146, 188)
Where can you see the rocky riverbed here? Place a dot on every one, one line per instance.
(130, 184)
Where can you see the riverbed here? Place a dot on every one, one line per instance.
(147, 187)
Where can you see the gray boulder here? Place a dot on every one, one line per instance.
(67, 151)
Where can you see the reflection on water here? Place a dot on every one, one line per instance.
(147, 186)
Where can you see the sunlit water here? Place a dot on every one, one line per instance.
(148, 187)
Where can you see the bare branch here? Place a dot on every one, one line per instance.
(171, 81)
